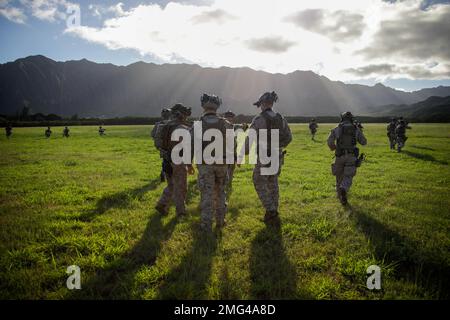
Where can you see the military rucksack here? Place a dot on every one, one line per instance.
(347, 138)
(277, 122)
(218, 123)
(163, 135)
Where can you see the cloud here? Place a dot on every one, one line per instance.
(408, 71)
(270, 44)
(11, 13)
(413, 35)
(99, 10)
(336, 25)
(217, 16)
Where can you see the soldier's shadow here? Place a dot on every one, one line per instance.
(412, 262)
(424, 157)
(272, 274)
(120, 199)
(189, 280)
(117, 280)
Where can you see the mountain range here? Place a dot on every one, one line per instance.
(91, 89)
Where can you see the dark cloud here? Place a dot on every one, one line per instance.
(270, 44)
(417, 72)
(337, 25)
(416, 35)
(217, 16)
(425, 4)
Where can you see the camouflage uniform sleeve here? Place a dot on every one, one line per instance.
(288, 131)
(255, 125)
(331, 140)
(360, 137)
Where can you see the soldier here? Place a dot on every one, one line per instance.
(400, 133)
(66, 132)
(313, 128)
(48, 132)
(101, 131)
(267, 185)
(230, 117)
(212, 178)
(165, 115)
(391, 132)
(343, 141)
(8, 130)
(176, 174)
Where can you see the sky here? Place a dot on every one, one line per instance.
(403, 44)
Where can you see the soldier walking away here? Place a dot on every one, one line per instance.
(313, 128)
(267, 185)
(165, 115)
(230, 116)
(391, 132)
(48, 132)
(8, 130)
(343, 140)
(212, 178)
(400, 133)
(101, 131)
(176, 174)
(66, 132)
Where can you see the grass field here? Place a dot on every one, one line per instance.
(89, 201)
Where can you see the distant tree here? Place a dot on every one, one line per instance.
(53, 117)
(74, 117)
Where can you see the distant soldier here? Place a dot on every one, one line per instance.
(212, 178)
(66, 132)
(48, 132)
(391, 132)
(101, 130)
(267, 185)
(230, 117)
(343, 140)
(8, 130)
(165, 115)
(400, 133)
(176, 174)
(313, 128)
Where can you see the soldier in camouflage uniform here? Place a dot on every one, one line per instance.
(66, 132)
(267, 185)
(313, 128)
(343, 140)
(176, 174)
(101, 130)
(8, 131)
(165, 115)
(230, 117)
(48, 132)
(212, 178)
(391, 132)
(400, 133)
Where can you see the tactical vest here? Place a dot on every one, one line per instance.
(401, 129)
(218, 124)
(391, 127)
(163, 135)
(347, 139)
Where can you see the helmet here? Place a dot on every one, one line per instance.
(210, 101)
(346, 116)
(267, 97)
(165, 113)
(229, 114)
(313, 119)
(179, 109)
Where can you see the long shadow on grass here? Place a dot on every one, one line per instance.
(272, 274)
(424, 157)
(189, 280)
(120, 199)
(117, 280)
(428, 269)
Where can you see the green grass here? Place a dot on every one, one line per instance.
(89, 201)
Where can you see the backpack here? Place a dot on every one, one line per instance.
(347, 138)
(277, 122)
(163, 133)
(219, 125)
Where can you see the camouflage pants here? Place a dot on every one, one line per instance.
(212, 181)
(176, 189)
(266, 187)
(230, 175)
(344, 169)
(391, 140)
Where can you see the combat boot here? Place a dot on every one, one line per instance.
(161, 209)
(342, 195)
(270, 215)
